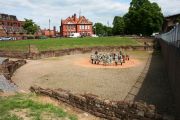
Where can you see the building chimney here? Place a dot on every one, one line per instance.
(54, 29)
(75, 17)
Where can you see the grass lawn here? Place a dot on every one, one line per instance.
(63, 43)
(21, 107)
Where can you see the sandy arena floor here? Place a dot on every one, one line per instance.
(77, 74)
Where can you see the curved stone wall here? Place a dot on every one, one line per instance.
(7, 68)
(55, 53)
(111, 110)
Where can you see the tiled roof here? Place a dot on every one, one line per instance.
(80, 20)
(10, 29)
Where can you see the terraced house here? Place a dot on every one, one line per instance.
(76, 24)
(10, 26)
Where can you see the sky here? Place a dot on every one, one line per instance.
(95, 10)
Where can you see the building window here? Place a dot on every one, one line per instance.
(70, 27)
(83, 27)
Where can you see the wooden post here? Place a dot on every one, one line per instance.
(29, 48)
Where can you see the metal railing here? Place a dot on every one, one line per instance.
(172, 37)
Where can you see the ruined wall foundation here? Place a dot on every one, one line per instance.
(111, 110)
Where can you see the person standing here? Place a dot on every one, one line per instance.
(116, 59)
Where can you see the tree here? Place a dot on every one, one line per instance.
(109, 31)
(30, 26)
(143, 17)
(102, 30)
(118, 25)
(99, 29)
(178, 20)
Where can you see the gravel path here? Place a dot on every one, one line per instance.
(62, 72)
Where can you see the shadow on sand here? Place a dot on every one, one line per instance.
(155, 89)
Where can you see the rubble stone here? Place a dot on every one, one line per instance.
(111, 110)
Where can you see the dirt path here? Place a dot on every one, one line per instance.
(85, 63)
(62, 72)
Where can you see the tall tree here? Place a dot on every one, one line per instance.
(30, 26)
(109, 31)
(178, 20)
(99, 29)
(143, 17)
(118, 25)
(102, 30)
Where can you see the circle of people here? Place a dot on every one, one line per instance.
(109, 58)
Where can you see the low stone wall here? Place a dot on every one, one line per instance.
(56, 53)
(8, 67)
(112, 110)
(46, 54)
(11, 66)
(12, 54)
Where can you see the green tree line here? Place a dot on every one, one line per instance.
(143, 18)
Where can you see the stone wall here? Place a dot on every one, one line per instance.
(8, 67)
(112, 110)
(11, 66)
(56, 53)
(171, 56)
(45, 54)
(12, 54)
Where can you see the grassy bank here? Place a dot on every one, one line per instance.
(63, 43)
(20, 107)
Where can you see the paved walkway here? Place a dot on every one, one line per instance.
(2, 60)
(6, 85)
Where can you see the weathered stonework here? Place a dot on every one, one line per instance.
(7, 68)
(111, 110)
(57, 53)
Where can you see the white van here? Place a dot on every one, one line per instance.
(94, 35)
(75, 35)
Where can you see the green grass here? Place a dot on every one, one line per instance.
(35, 109)
(63, 43)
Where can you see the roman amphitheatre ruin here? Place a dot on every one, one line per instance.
(77, 74)
(131, 81)
(69, 76)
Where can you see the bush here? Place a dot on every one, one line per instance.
(30, 37)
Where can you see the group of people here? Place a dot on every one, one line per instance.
(109, 58)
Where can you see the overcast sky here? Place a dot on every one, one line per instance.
(95, 10)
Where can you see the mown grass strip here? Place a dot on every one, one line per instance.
(64, 43)
(20, 102)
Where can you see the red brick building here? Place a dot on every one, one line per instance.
(10, 26)
(50, 33)
(76, 24)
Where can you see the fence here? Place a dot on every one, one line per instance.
(170, 47)
(172, 37)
